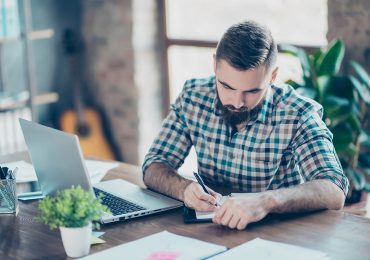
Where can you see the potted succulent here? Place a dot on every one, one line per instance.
(73, 211)
(346, 100)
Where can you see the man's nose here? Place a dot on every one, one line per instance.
(239, 100)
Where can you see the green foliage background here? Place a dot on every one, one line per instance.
(346, 101)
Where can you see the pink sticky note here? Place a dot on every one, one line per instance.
(163, 255)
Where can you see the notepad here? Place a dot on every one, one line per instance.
(263, 249)
(162, 245)
(211, 214)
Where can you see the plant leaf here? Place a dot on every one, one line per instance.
(332, 59)
(302, 56)
(316, 58)
(323, 84)
(362, 90)
(361, 72)
(335, 109)
(293, 83)
(307, 92)
(367, 187)
(354, 122)
(364, 139)
(331, 100)
(342, 137)
(358, 179)
(341, 86)
(364, 160)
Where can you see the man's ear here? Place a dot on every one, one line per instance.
(214, 63)
(274, 74)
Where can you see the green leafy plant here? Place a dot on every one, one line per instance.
(74, 207)
(345, 99)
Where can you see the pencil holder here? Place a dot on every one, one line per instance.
(8, 197)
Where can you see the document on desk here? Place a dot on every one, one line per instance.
(163, 245)
(263, 249)
(96, 170)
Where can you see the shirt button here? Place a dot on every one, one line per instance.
(231, 156)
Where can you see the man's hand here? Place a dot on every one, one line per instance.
(196, 198)
(238, 212)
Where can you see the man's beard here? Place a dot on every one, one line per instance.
(233, 116)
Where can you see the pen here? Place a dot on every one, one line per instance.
(2, 174)
(9, 175)
(6, 172)
(15, 171)
(200, 181)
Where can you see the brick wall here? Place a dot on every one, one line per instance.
(109, 65)
(350, 21)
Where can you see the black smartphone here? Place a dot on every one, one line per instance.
(190, 217)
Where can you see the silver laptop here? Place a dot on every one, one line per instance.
(59, 164)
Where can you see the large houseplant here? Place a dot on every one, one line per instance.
(346, 100)
(72, 210)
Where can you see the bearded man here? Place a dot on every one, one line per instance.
(251, 136)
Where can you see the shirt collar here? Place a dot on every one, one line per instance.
(263, 115)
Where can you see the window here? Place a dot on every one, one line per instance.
(192, 29)
(191, 23)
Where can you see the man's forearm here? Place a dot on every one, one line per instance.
(313, 195)
(166, 180)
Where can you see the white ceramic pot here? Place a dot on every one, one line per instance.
(76, 241)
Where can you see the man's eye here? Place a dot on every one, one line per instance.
(226, 87)
(254, 91)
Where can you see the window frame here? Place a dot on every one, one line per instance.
(167, 42)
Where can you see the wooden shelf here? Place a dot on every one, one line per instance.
(41, 34)
(9, 103)
(34, 35)
(46, 98)
(5, 40)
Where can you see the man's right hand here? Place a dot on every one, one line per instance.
(196, 198)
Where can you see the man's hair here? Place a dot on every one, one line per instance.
(247, 45)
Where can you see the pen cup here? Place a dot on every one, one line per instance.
(8, 196)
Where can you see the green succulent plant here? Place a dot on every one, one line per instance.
(346, 101)
(73, 207)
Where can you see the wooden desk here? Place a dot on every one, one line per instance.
(341, 235)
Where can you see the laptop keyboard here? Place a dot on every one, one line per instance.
(117, 206)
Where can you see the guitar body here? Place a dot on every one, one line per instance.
(86, 123)
(92, 140)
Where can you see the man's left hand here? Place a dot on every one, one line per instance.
(238, 212)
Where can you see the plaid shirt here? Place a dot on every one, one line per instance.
(283, 145)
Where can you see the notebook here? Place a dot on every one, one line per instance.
(208, 215)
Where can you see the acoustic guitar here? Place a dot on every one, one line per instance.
(84, 122)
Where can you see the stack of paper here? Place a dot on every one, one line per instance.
(26, 173)
(258, 249)
(163, 245)
(96, 170)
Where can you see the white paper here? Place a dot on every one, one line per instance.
(160, 244)
(264, 249)
(96, 170)
(210, 214)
